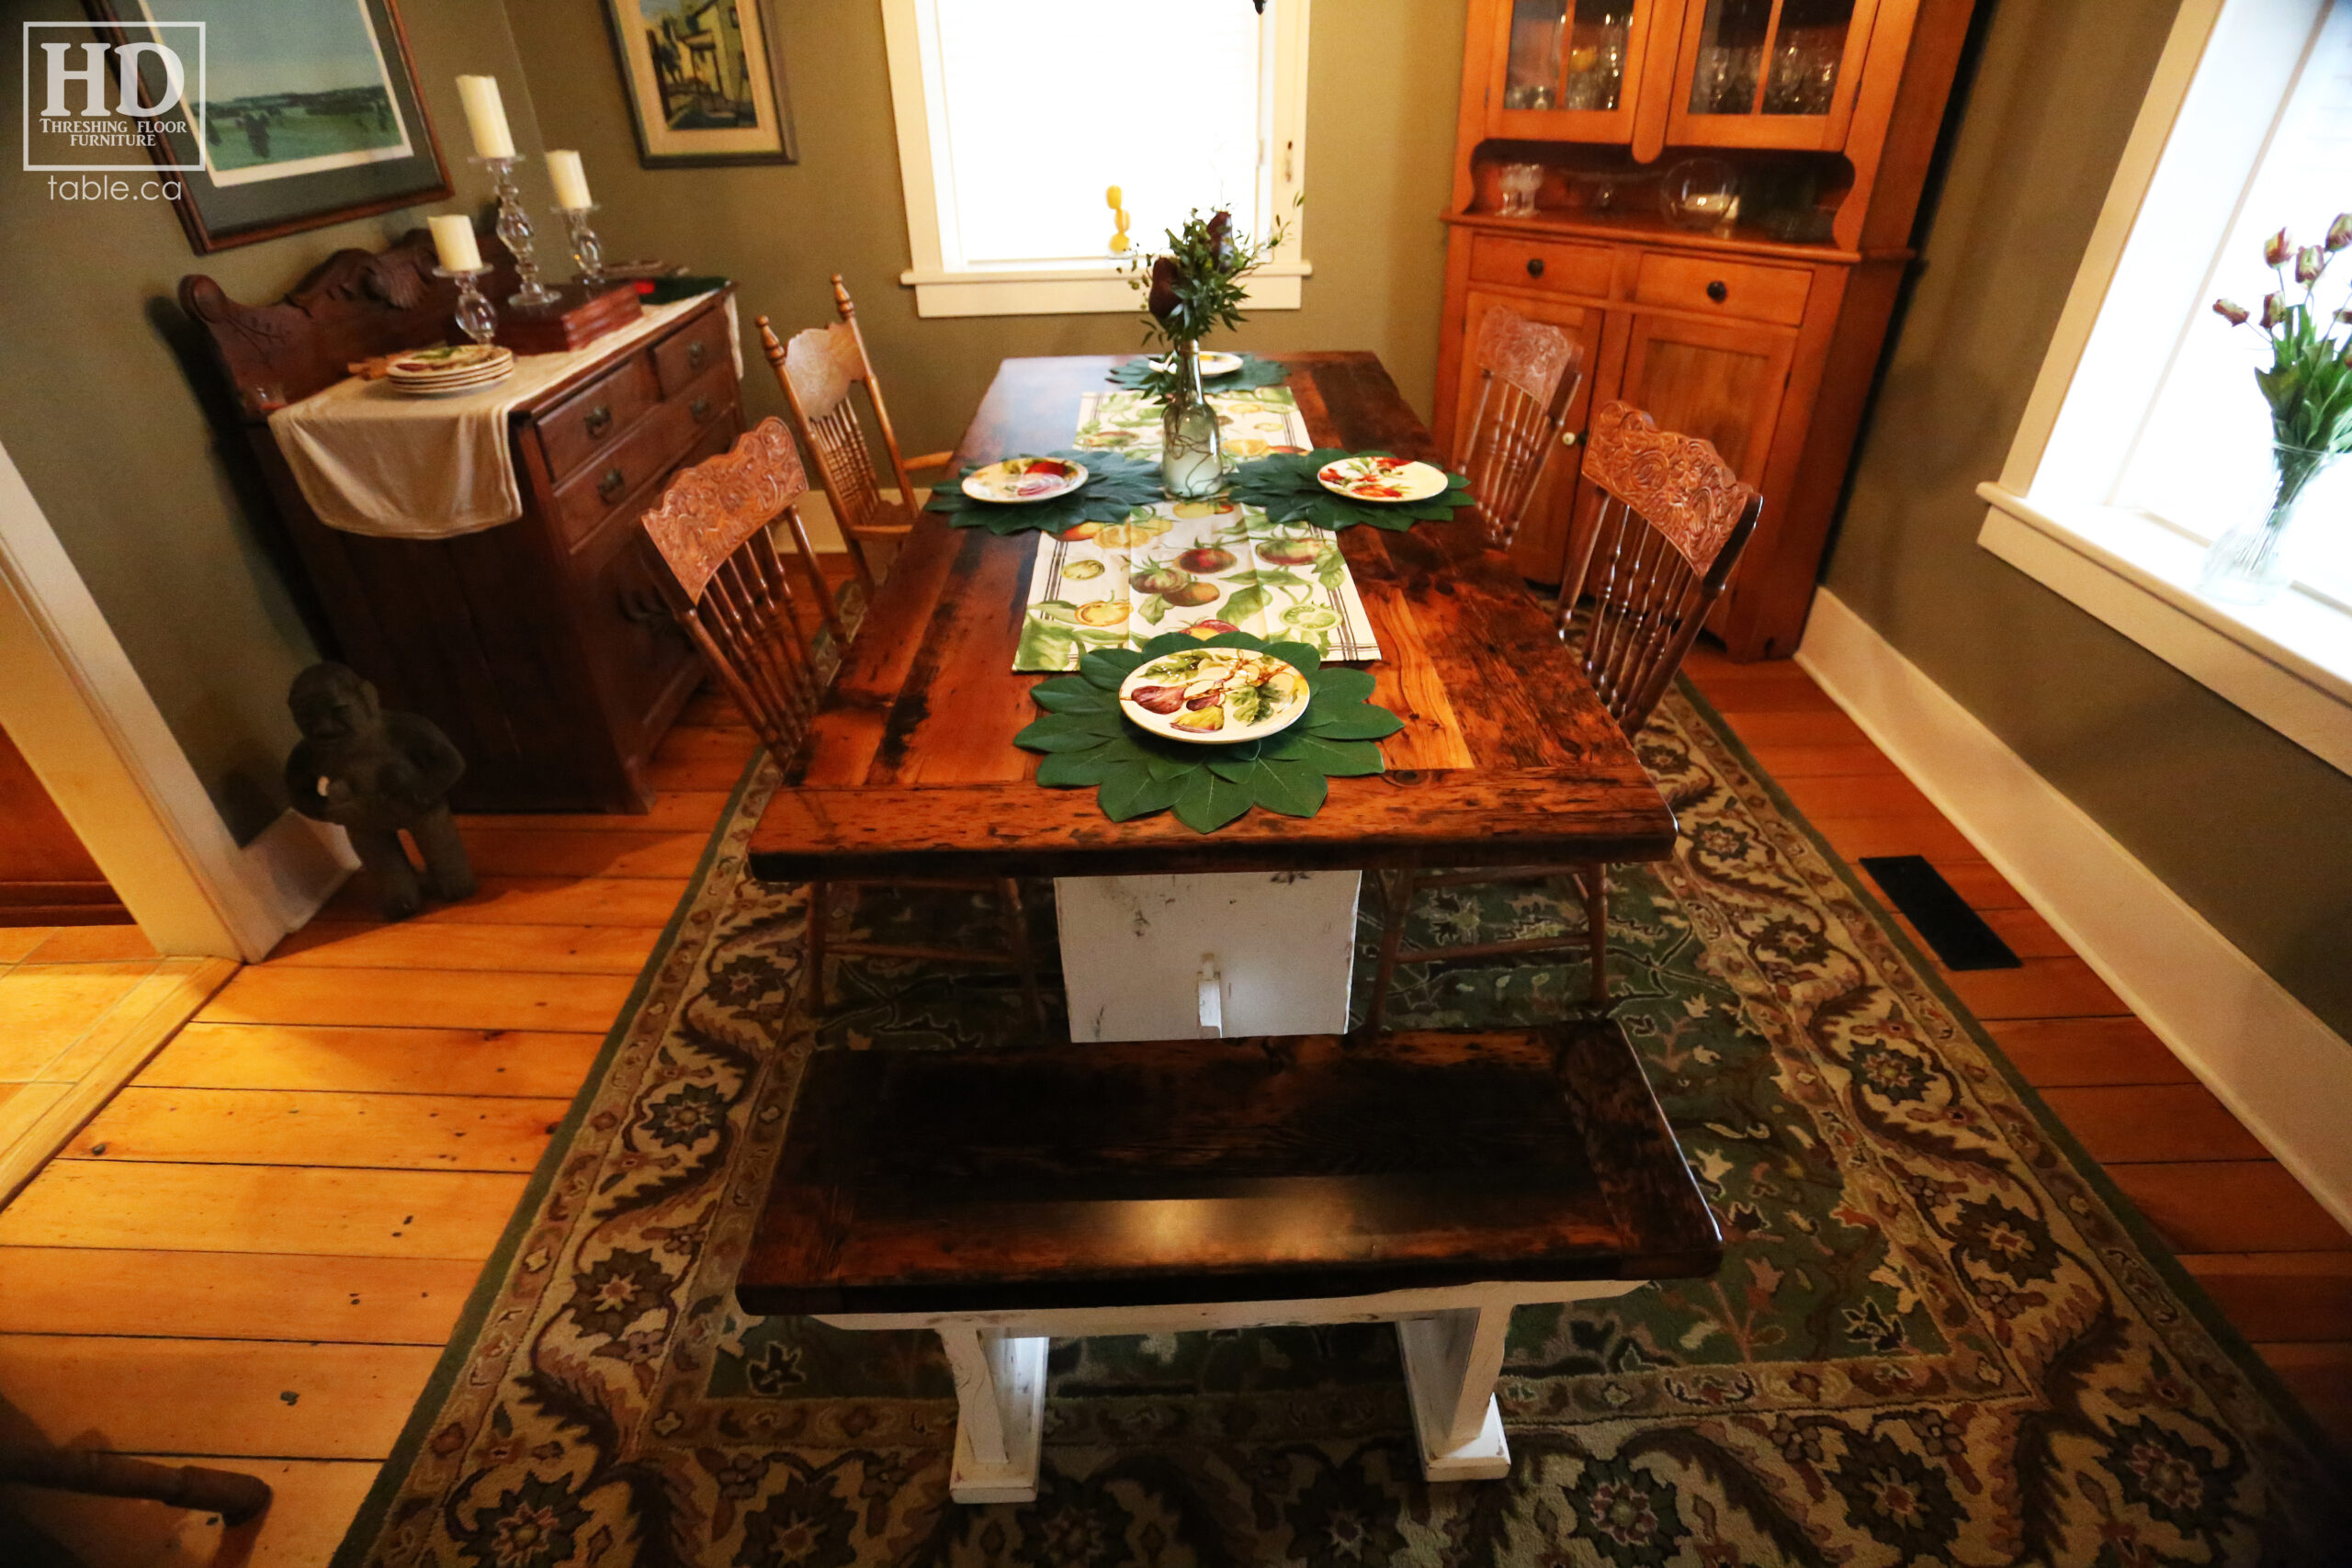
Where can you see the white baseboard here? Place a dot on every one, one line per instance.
(2270, 1059)
(293, 866)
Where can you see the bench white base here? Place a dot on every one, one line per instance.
(1451, 1339)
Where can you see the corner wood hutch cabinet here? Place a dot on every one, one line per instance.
(1809, 123)
(542, 646)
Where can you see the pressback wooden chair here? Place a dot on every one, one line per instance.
(1672, 521)
(817, 370)
(1528, 375)
(728, 589)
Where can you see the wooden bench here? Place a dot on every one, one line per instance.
(1435, 1180)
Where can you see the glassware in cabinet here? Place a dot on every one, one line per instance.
(1770, 72)
(1567, 69)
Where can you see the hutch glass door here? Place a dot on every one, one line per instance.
(1567, 70)
(1770, 72)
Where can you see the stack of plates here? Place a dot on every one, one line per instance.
(430, 372)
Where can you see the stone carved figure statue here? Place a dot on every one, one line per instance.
(372, 774)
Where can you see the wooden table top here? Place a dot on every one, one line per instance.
(1507, 757)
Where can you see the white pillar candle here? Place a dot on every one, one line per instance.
(453, 237)
(486, 117)
(571, 182)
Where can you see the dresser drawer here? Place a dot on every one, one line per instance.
(684, 355)
(711, 395)
(1506, 261)
(1724, 289)
(613, 480)
(570, 431)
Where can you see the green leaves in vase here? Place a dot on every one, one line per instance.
(1285, 485)
(1115, 485)
(1088, 743)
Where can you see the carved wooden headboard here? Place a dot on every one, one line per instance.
(355, 305)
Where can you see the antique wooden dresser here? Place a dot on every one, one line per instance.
(542, 646)
(1715, 196)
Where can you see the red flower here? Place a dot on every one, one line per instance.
(1221, 234)
(1162, 301)
(2233, 312)
(2274, 310)
(2309, 263)
(2339, 233)
(2277, 248)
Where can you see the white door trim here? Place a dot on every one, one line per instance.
(2270, 1059)
(85, 722)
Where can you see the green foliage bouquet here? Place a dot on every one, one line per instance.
(2309, 381)
(1194, 286)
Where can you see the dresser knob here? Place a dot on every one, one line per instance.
(600, 420)
(612, 484)
(1717, 292)
(1535, 266)
(696, 351)
(700, 407)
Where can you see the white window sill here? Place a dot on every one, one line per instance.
(1091, 292)
(2289, 663)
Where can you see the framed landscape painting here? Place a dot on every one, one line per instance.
(309, 114)
(704, 81)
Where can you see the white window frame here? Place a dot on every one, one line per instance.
(908, 29)
(2203, 128)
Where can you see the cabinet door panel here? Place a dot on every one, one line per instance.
(1542, 537)
(1571, 70)
(1719, 380)
(1769, 73)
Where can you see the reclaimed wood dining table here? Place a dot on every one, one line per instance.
(1505, 757)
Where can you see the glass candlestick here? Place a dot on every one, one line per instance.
(586, 253)
(515, 229)
(476, 317)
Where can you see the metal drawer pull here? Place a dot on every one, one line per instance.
(612, 484)
(695, 353)
(1717, 291)
(700, 407)
(600, 419)
(1535, 266)
(1568, 437)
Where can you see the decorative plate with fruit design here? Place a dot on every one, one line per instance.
(1377, 477)
(1019, 480)
(1214, 697)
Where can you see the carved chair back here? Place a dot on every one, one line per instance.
(728, 587)
(1671, 523)
(1528, 375)
(816, 371)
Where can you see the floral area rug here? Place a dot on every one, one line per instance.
(1936, 1338)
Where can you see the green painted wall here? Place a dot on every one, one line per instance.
(1386, 75)
(104, 413)
(2250, 829)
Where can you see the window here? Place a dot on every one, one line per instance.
(2145, 437)
(2203, 455)
(1015, 117)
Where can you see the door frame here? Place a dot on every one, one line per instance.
(87, 723)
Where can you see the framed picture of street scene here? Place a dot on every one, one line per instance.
(304, 113)
(704, 81)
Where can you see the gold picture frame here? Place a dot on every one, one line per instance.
(704, 82)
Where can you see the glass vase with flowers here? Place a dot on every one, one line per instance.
(2308, 385)
(1190, 288)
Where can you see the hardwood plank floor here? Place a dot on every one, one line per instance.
(175, 1286)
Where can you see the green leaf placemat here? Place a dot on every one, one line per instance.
(1089, 743)
(1115, 485)
(1254, 372)
(1284, 484)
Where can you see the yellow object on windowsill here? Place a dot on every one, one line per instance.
(1114, 198)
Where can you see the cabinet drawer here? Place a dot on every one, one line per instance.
(710, 396)
(613, 480)
(570, 431)
(1510, 262)
(684, 355)
(1724, 289)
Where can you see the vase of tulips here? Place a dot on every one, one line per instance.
(2308, 385)
(1191, 288)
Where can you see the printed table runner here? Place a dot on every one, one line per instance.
(1203, 567)
(1254, 424)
